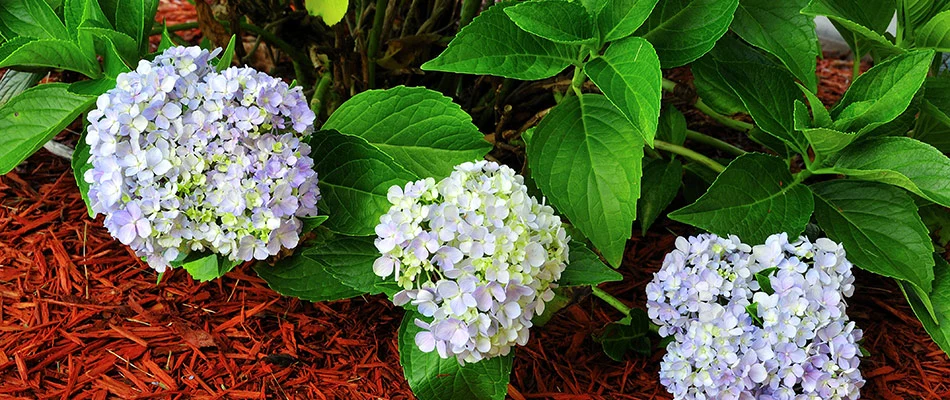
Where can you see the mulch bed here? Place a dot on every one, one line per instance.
(82, 317)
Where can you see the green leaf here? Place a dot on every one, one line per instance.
(303, 278)
(661, 181)
(753, 198)
(684, 30)
(713, 89)
(630, 333)
(354, 183)
(227, 56)
(939, 327)
(331, 11)
(166, 42)
(586, 157)
(102, 37)
(350, 260)
(129, 17)
(780, 28)
(629, 75)
(559, 21)
(32, 118)
(935, 34)
(23, 53)
(206, 267)
(311, 223)
(421, 129)
(620, 18)
(768, 93)
(879, 227)
(859, 20)
(933, 127)
(672, 125)
(493, 45)
(30, 19)
(828, 141)
(80, 164)
(15, 82)
(882, 93)
(900, 161)
(764, 278)
(586, 268)
(821, 118)
(112, 62)
(435, 378)
(753, 311)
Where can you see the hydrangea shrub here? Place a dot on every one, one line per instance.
(475, 254)
(188, 159)
(752, 322)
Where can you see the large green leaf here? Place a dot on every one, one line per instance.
(131, 17)
(935, 34)
(32, 118)
(684, 30)
(780, 28)
(629, 75)
(753, 198)
(882, 93)
(102, 37)
(492, 44)
(861, 22)
(900, 161)
(620, 18)
(713, 89)
(879, 227)
(435, 378)
(559, 21)
(586, 157)
(661, 181)
(304, 278)
(15, 82)
(350, 260)
(354, 181)
(769, 95)
(23, 53)
(939, 328)
(421, 129)
(31, 19)
(585, 268)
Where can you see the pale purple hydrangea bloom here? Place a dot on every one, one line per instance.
(185, 158)
(804, 348)
(475, 254)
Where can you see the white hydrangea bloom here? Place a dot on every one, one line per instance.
(476, 254)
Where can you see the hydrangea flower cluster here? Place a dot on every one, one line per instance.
(185, 158)
(799, 345)
(476, 254)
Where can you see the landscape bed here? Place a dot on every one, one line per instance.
(84, 316)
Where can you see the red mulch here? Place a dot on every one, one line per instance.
(82, 317)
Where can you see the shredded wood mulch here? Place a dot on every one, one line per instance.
(82, 317)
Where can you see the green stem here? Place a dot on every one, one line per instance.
(373, 48)
(713, 142)
(578, 80)
(157, 30)
(689, 154)
(610, 299)
(722, 119)
(317, 103)
(671, 86)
